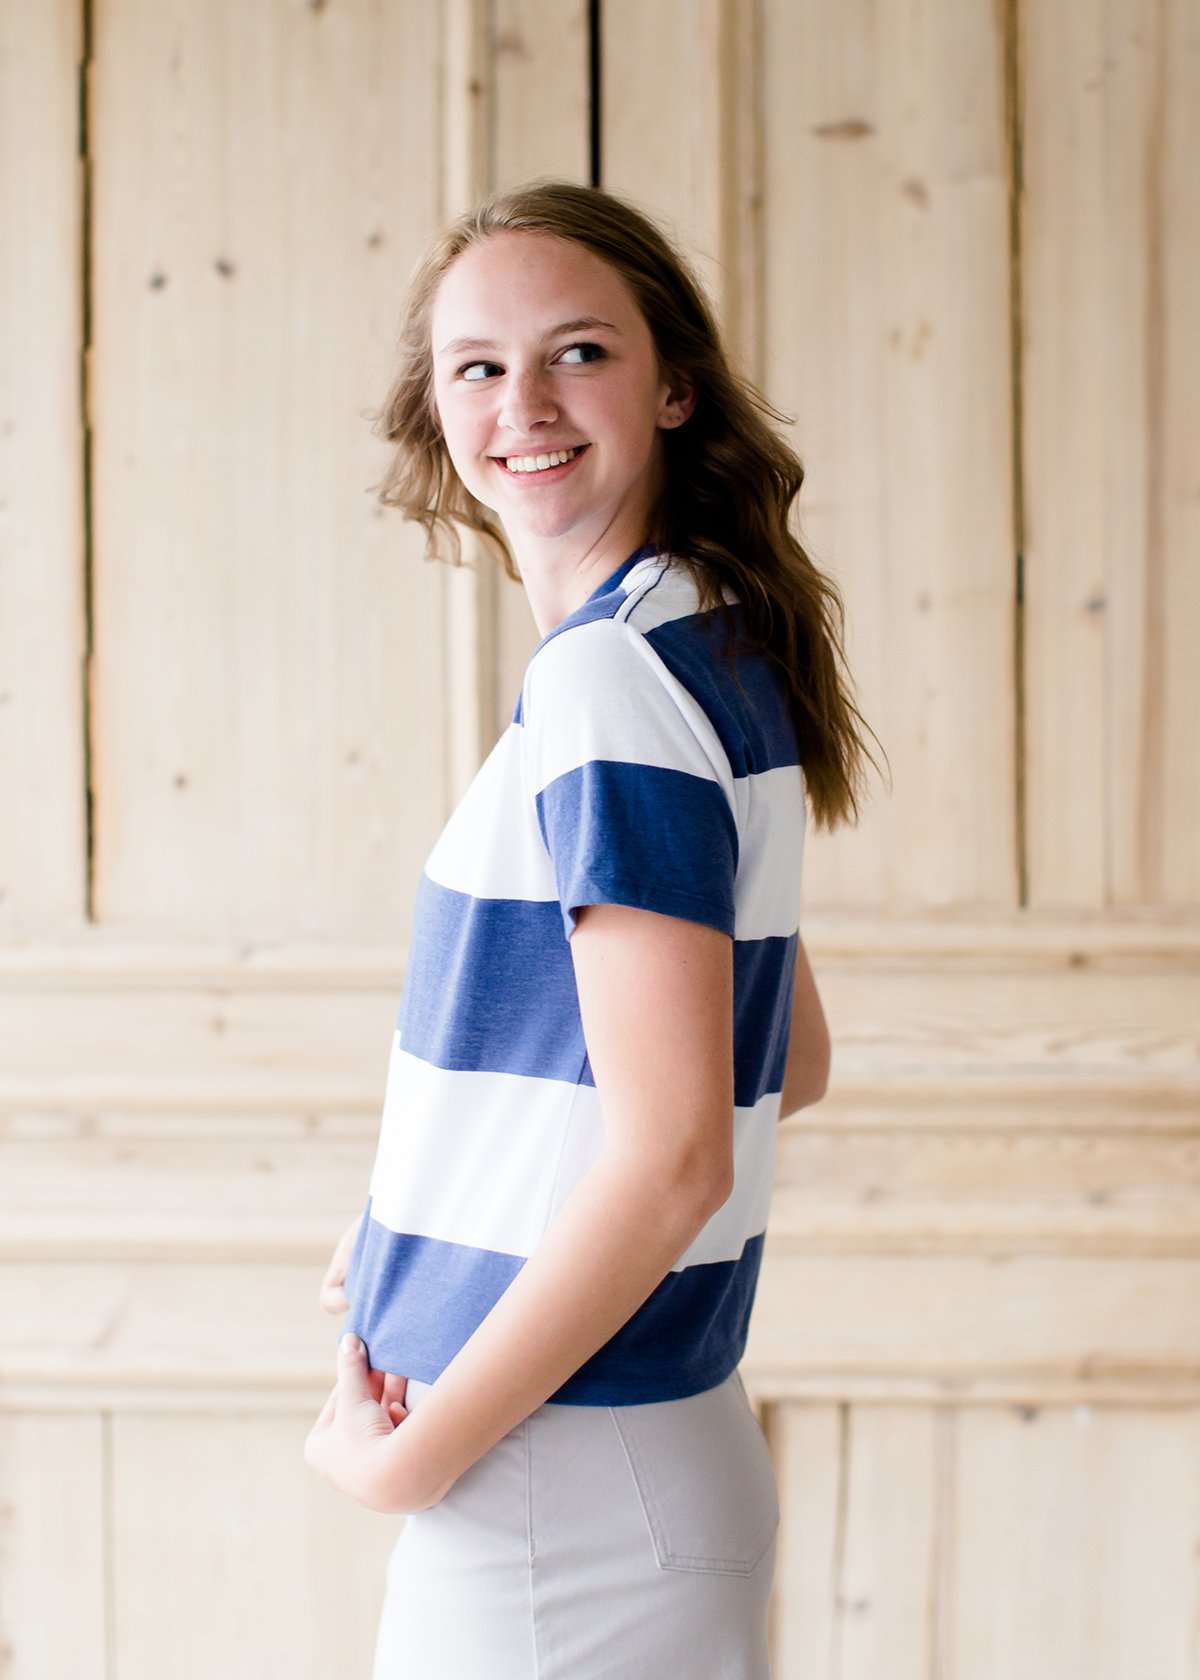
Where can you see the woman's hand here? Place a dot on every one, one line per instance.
(333, 1297)
(350, 1444)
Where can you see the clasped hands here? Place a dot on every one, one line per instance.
(352, 1443)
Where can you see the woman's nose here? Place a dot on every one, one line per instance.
(527, 399)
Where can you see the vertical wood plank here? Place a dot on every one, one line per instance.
(53, 1547)
(43, 631)
(883, 1589)
(808, 1445)
(700, 125)
(1077, 1533)
(1110, 373)
(230, 1556)
(269, 726)
(1175, 535)
(887, 337)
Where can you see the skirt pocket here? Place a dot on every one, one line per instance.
(704, 1478)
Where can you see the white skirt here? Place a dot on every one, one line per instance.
(593, 1543)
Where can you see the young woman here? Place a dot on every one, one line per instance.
(607, 1005)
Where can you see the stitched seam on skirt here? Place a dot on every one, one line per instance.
(627, 1448)
(530, 1545)
(668, 1558)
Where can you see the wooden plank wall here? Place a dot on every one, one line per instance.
(960, 246)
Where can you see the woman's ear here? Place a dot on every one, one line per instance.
(680, 402)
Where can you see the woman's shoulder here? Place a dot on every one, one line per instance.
(653, 634)
(668, 587)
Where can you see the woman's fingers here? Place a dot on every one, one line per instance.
(332, 1297)
(395, 1388)
(317, 1438)
(395, 1396)
(354, 1374)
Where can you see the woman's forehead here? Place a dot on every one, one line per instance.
(507, 275)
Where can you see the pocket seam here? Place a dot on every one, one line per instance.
(666, 1558)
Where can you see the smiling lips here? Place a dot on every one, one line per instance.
(551, 469)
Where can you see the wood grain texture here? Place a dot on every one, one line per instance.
(55, 1600)
(885, 229)
(957, 247)
(1110, 369)
(43, 474)
(261, 631)
(270, 1571)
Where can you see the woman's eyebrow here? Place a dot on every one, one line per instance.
(583, 323)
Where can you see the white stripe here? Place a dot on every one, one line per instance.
(661, 594)
(599, 691)
(467, 1157)
(487, 1159)
(771, 831)
(492, 848)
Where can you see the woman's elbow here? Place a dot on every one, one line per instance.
(808, 1088)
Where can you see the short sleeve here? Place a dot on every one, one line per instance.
(632, 789)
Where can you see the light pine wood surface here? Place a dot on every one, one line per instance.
(959, 247)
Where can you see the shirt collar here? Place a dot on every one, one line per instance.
(615, 577)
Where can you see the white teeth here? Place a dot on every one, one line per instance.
(538, 463)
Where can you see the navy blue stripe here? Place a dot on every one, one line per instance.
(757, 728)
(641, 834)
(416, 1300)
(618, 576)
(490, 987)
(764, 978)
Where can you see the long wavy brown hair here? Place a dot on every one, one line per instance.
(729, 479)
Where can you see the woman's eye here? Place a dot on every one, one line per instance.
(571, 347)
(464, 372)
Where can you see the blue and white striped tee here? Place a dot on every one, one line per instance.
(634, 771)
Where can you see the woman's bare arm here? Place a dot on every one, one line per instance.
(807, 1073)
(656, 1001)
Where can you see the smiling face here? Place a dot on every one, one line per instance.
(569, 361)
